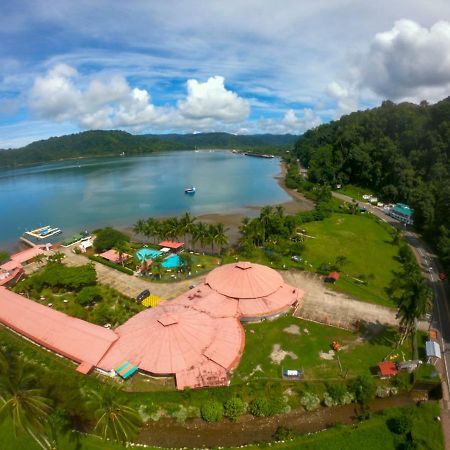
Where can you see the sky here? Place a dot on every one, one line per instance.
(240, 66)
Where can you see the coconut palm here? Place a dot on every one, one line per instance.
(140, 227)
(22, 403)
(39, 258)
(200, 234)
(220, 237)
(173, 227)
(152, 228)
(57, 257)
(185, 262)
(157, 267)
(121, 248)
(265, 218)
(114, 420)
(187, 223)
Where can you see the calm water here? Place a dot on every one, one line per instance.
(78, 195)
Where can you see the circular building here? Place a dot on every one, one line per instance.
(173, 339)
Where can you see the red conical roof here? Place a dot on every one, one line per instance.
(244, 280)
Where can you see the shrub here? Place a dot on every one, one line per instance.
(283, 434)
(111, 264)
(337, 392)
(260, 407)
(234, 408)
(328, 400)
(89, 295)
(107, 238)
(211, 411)
(310, 401)
(363, 388)
(399, 425)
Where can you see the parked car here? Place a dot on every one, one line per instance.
(143, 295)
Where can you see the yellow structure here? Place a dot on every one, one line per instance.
(151, 301)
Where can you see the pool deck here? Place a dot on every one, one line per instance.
(129, 285)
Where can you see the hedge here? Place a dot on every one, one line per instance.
(111, 264)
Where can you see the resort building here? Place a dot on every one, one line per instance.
(402, 213)
(197, 337)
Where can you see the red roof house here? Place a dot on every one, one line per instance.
(387, 369)
(171, 244)
(113, 256)
(332, 277)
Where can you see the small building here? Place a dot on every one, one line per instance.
(402, 213)
(332, 277)
(173, 245)
(387, 369)
(113, 256)
(433, 351)
(10, 277)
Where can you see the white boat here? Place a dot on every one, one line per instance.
(189, 190)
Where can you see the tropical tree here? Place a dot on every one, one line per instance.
(140, 227)
(114, 420)
(39, 258)
(200, 234)
(220, 236)
(152, 228)
(157, 267)
(185, 262)
(265, 217)
(121, 249)
(187, 223)
(22, 403)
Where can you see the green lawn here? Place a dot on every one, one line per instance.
(357, 356)
(366, 245)
(374, 434)
(355, 192)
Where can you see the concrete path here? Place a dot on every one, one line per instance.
(326, 306)
(130, 285)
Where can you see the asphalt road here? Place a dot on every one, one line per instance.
(430, 266)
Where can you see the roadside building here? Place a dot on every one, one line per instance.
(402, 213)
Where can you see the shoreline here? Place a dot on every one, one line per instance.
(233, 220)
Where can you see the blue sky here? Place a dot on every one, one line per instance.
(248, 66)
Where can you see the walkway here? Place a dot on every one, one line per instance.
(129, 285)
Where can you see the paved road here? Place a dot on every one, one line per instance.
(441, 307)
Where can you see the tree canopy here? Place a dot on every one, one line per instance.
(401, 152)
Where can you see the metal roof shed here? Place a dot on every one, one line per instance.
(433, 349)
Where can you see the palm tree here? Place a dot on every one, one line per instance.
(220, 236)
(187, 223)
(22, 403)
(279, 210)
(173, 228)
(39, 258)
(114, 420)
(265, 217)
(185, 262)
(140, 227)
(121, 248)
(200, 234)
(157, 267)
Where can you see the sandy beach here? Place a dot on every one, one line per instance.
(232, 220)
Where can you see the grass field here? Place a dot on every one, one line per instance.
(358, 356)
(368, 251)
(374, 434)
(355, 192)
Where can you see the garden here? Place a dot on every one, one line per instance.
(75, 291)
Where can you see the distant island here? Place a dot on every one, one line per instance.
(114, 143)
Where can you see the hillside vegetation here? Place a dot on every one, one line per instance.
(110, 143)
(401, 152)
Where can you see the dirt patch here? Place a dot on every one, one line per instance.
(292, 329)
(278, 354)
(327, 355)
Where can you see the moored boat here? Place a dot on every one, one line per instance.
(189, 190)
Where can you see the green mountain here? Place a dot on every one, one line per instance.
(110, 143)
(401, 152)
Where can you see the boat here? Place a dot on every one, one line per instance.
(44, 232)
(259, 155)
(189, 190)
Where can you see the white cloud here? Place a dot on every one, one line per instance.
(409, 62)
(346, 98)
(292, 122)
(64, 95)
(211, 100)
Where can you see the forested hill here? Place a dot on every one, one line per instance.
(109, 143)
(402, 152)
(227, 140)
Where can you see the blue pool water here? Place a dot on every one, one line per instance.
(170, 262)
(147, 253)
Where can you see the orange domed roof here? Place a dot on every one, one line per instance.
(244, 280)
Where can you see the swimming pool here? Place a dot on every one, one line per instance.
(171, 261)
(144, 254)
